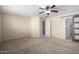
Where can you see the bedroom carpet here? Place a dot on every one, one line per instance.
(39, 46)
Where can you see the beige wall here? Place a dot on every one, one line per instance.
(0, 27)
(14, 26)
(35, 26)
(58, 27)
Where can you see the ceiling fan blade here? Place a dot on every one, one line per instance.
(54, 11)
(53, 6)
(41, 8)
(41, 12)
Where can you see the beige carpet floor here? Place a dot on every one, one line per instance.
(40, 46)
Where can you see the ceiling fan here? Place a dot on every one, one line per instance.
(48, 9)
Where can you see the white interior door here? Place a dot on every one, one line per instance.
(47, 28)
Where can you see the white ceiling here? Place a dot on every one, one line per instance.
(33, 10)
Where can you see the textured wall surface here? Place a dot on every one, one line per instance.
(14, 27)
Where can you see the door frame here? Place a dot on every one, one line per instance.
(41, 28)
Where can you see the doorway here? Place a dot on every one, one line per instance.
(43, 27)
(76, 28)
(46, 28)
(69, 28)
(72, 28)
